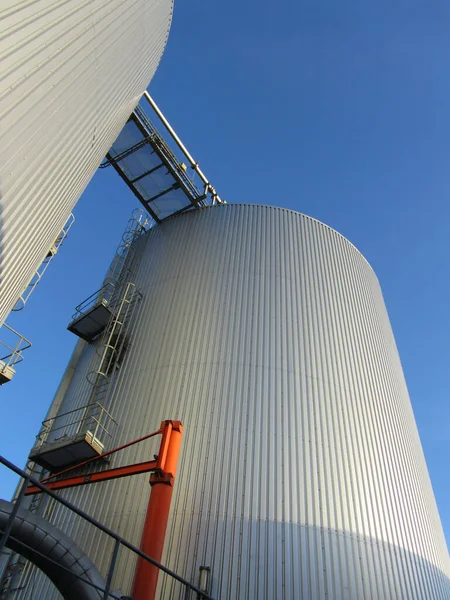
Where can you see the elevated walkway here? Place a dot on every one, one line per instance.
(153, 172)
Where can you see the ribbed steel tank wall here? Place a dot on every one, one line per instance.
(301, 473)
(72, 72)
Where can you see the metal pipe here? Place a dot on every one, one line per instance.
(181, 146)
(153, 535)
(49, 566)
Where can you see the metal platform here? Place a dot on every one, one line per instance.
(12, 344)
(72, 437)
(67, 451)
(91, 322)
(93, 314)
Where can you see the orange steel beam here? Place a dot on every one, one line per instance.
(100, 456)
(70, 482)
(152, 543)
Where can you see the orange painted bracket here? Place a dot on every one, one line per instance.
(166, 429)
(90, 461)
(70, 482)
(164, 470)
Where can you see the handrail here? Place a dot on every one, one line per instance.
(165, 150)
(96, 298)
(48, 425)
(15, 353)
(78, 409)
(39, 273)
(182, 147)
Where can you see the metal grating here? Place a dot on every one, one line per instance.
(151, 170)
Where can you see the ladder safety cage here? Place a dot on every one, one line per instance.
(153, 172)
(96, 312)
(114, 340)
(104, 319)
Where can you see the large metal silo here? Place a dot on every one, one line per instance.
(301, 474)
(72, 72)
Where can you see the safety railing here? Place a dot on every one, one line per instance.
(38, 274)
(175, 164)
(119, 541)
(91, 418)
(11, 351)
(101, 296)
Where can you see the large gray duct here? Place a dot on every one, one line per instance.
(40, 542)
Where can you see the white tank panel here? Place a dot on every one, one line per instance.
(301, 472)
(72, 72)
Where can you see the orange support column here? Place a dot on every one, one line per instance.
(152, 544)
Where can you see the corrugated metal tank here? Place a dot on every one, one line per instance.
(72, 72)
(301, 471)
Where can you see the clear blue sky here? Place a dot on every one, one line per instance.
(340, 110)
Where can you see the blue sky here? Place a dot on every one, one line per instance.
(339, 110)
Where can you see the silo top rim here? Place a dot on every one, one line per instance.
(289, 210)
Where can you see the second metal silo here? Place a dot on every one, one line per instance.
(72, 72)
